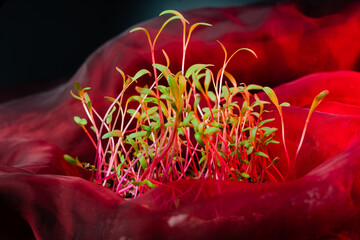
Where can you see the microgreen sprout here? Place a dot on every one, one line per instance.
(187, 125)
(317, 100)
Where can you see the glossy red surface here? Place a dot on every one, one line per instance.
(41, 195)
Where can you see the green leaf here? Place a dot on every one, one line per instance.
(74, 96)
(121, 72)
(163, 89)
(195, 122)
(249, 150)
(265, 121)
(199, 24)
(144, 182)
(137, 134)
(271, 94)
(122, 159)
(143, 162)
(321, 95)
(151, 100)
(132, 112)
(110, 99)
(188, 118)
(141, 73)
(254, 87)
(169, 124)
(180, 132)
(78, 87)
(207, 80)
(239, 90)
(118, 170)
(182, 84)
(246, 129)
(253, 135)
(164, 109)
(177, 16)
(138, 29)
(152, 110)
(207, 114)
(155, 125)
(211, 130)
(271, 141)
(211, 95)
(193, 68)
(259, 153)
(174, 88)
(114, 133)
(197, 101)
(187, 109)
(109, 116)
(88, 101)
(201, 68)
(163, 69)
(218, 161)
(255, 114)
(268, 130)
(202, 159)
(167, 97)
(80, 121)
(87, 98)
(206, 109)
(225, 92)
(200, 127)
(74, 161)
(146, 128)
(245, 175)
(244, 107)
(197, 83)
(145, 91)
(174, 106)
(198, 138)
(244, 142)
(131, 141)
(285, 104)
(317, 100)
(217, 125)
(258, 102)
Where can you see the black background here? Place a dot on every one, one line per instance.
(43, 43)
(46, 41)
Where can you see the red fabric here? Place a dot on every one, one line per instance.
(44, 197)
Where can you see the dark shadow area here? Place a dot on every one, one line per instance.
(43, 43)
(12, 225)
(315, 9)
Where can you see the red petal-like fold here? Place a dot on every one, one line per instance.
(43, 196)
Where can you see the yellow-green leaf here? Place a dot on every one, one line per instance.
(114, 133)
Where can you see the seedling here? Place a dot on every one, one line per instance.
(187, 125)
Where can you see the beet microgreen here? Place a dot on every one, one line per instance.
(317, 100)
(187, 124)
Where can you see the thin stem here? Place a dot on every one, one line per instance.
(285, 148)
(300, 143)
